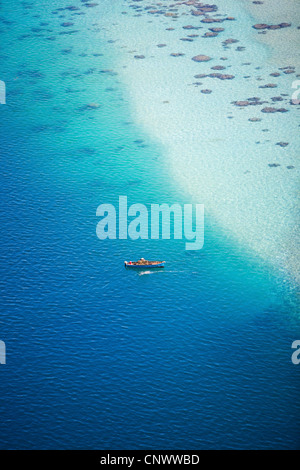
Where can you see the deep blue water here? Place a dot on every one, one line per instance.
(197, 356)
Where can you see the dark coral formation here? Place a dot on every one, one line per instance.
(263, 26)
(201, 58)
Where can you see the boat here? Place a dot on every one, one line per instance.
(143, 263)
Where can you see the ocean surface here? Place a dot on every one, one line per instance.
(195, 356)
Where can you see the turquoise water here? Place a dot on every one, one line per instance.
(214, 152)
(197, 356)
